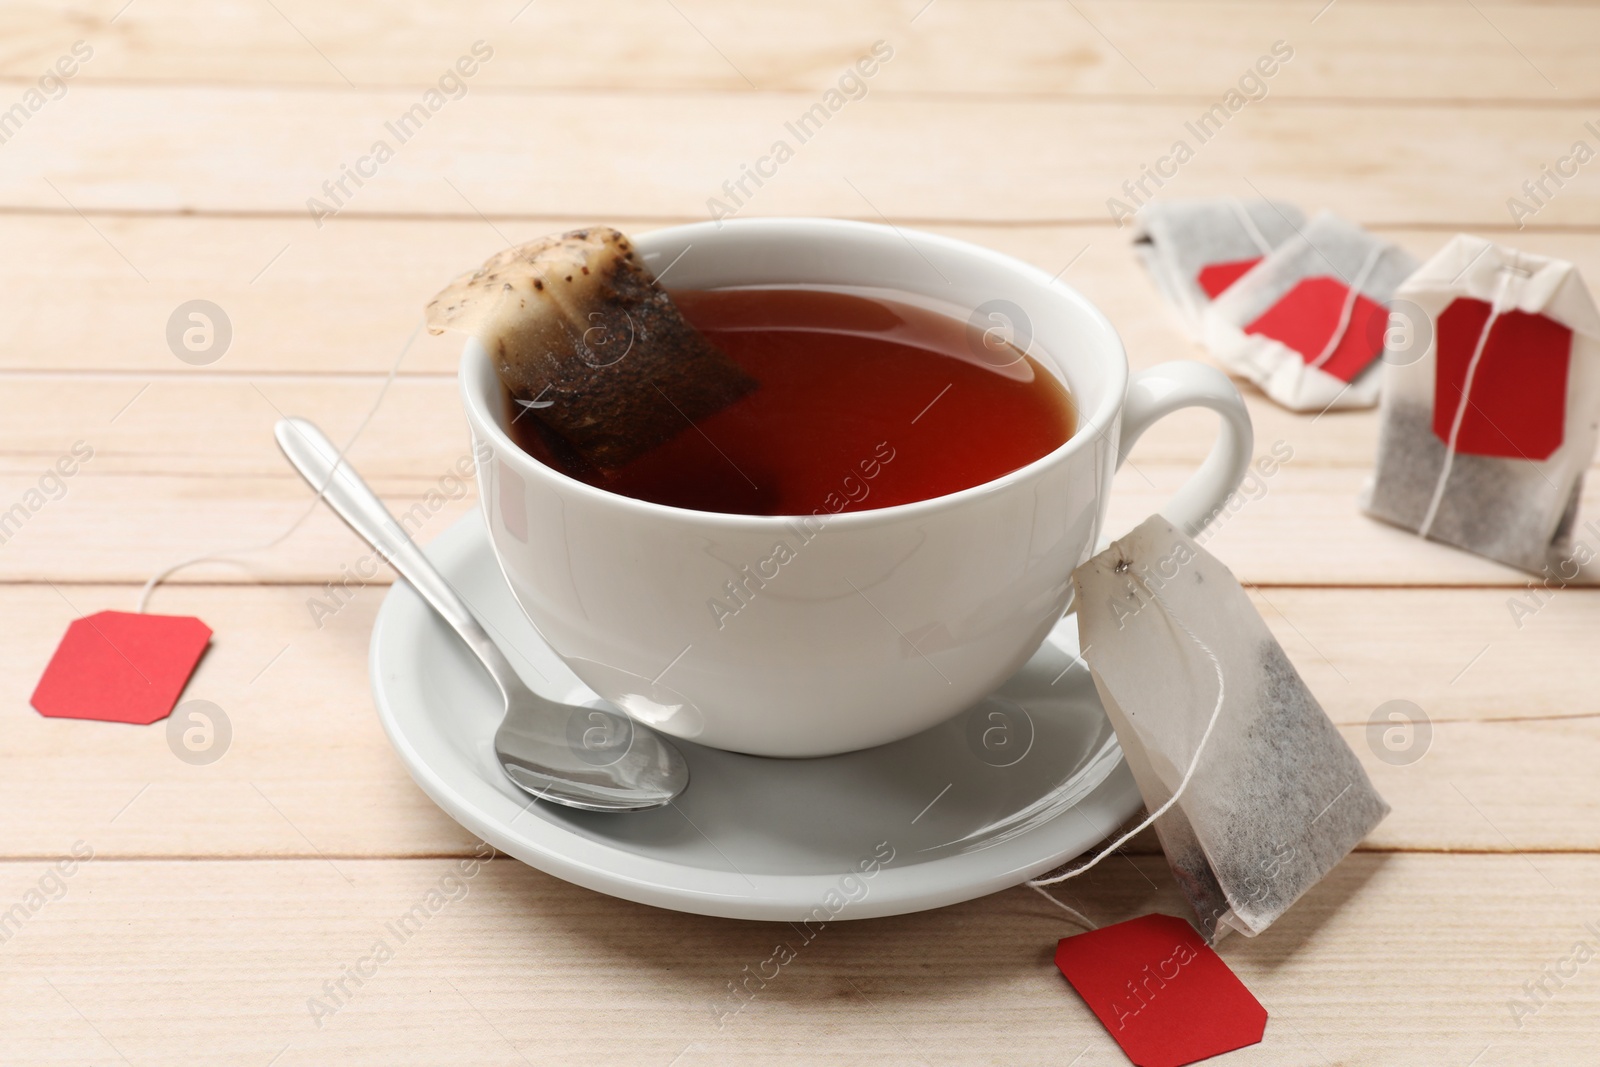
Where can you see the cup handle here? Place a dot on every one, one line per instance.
(1159, 391)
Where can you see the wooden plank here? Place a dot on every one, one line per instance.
(1507, 765)
(272, 150)
(1305, 527)
(1464, 783)
(298, 300)
(1414, 952)
(211, 426)
(1301, 526)
(347, 297)
(1462, 655)
(215, 426)
(307, 771)
(126, 528)
(1359, 50)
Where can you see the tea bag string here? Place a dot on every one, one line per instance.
(1349, 308)
(1038, 884)
(230, 554)
(1249, 224)
(1496, 309)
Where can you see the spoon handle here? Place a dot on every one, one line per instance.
(319, 463)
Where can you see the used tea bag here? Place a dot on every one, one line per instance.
(1306, 323)
(1184, 665)
(1195, 249)
(583, 337)
(1490, 401)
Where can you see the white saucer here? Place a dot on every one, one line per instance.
(1005, 791)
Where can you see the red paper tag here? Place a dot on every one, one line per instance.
(1216, 277)
(121, 667)
(1518, 407)
(1308, 314)
(1161, 991)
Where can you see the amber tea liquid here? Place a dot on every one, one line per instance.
(864, 403)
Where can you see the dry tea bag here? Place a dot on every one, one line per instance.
(1195, 249)
(1306, 323)
(1208, 708)
(584, 338)
(1490, 399)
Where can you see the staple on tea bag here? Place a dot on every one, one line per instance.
(1306, 323)
(1195, 249)
(1490, 402)
(1253, 793)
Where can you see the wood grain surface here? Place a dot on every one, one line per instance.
(177, 162)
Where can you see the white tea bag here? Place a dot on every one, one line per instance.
(1306, 324)
(1195, 249)
(1207, 707)
(1490, 400)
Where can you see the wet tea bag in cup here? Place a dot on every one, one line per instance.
(1306, 323)
(1490, 398)
(1209, 709)
(1196, 249)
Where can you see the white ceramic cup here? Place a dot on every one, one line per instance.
(864, 627)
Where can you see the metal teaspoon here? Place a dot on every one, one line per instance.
(532, 743)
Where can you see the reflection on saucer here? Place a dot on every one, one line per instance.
(644, 700)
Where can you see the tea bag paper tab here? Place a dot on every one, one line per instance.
(1196, 249)
(1491, 396)
(118, 666)
(586, 341)
(1307, 323)
(1276, 798)
(1161, 992)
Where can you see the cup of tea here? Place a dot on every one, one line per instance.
(880, 540)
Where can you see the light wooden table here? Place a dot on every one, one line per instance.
(178, 165)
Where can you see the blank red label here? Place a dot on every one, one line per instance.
(1307, 316)
(119, 666)
(1518, 405)
(1161, 991)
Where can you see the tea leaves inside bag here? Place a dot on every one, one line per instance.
(1276, 798)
